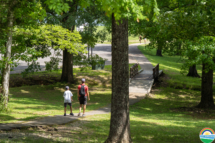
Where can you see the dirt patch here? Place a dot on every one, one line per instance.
(70, 132)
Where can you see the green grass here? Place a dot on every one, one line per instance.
(171, 65)
(151, 120)
(30, 102)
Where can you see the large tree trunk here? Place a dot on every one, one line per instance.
(193, 71)
(178, 52)
(67, 69)
(7, 56)
(207, 89)
(120, 122)
(159, 50)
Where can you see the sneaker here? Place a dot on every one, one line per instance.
(83, 115)
(64, 114)
(79, 114)
(71, 114)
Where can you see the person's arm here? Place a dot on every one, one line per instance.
(71, 96)
(88, 94)
(64, 95)
(78, 94)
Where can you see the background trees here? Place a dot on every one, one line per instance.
(19, 14)
(186, 29)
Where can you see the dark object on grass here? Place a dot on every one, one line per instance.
(134, 70)
(156, 72)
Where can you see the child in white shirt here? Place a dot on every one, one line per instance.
(68, 100)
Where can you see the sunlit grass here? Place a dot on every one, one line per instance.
(153, 119)
(171, 65)
(30, 102)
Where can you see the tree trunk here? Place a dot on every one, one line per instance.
(88, 51)
(67, 70)
(178, 52)
(207, 89)
(159, 50)
(91, 52)
(193, 72)
(120, 122)
(7, 56)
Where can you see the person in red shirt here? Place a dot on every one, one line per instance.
(83, 93)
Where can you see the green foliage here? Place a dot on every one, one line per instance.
(200, 51)
(58, 5)
(32, 67)
(96, 59)
(52, 64)
(33, 43)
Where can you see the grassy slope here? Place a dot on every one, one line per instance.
(171, 65)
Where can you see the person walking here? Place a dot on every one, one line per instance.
(68, 100)
(83, 93)
(140, 38)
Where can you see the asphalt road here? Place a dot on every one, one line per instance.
(103, 50)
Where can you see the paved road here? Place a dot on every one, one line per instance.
(103, 50)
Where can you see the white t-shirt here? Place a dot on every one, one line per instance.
(67, 96)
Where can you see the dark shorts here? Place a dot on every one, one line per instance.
(65, 104)
(83, 100)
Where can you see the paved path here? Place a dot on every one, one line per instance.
(103, 50)
(138, 88)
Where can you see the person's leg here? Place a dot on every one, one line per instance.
(64, 110)
(80, 110)
(65, 104)
(84, 108)
(70, 107)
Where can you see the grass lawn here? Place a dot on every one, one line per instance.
(30, 102)
(159, 118)
(152, 120)
(171, 65)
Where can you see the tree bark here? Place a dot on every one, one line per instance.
(120, 122)
(178, 52)
(67, 69)
(207, 100)
(159, 50)
(193, 71)
(88, 48)
(91, 51)
(7, 56)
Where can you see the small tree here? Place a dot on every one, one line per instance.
(14, 13)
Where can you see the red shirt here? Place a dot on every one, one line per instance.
(85, 87)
